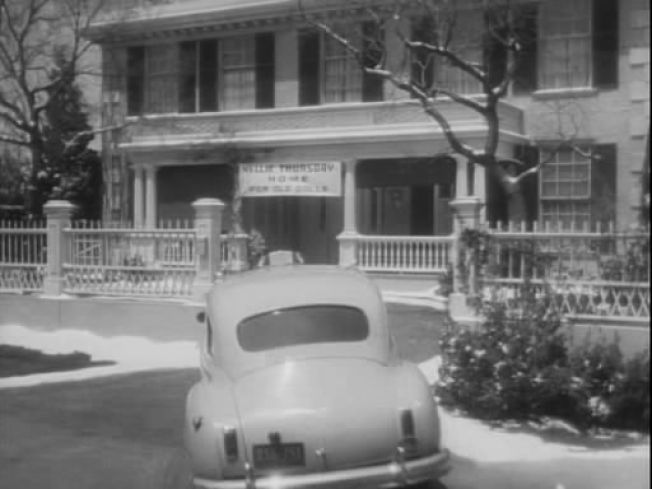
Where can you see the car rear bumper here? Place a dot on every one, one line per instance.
(386, 476)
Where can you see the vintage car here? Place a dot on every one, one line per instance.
(301, 387)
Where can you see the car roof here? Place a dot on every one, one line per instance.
(238, 297)
(264, 278)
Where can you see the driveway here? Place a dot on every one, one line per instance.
(125, 430)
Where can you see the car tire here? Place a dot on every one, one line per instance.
(178, 474)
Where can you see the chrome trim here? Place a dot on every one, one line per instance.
(382, 476)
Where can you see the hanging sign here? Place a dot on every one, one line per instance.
(313, 179)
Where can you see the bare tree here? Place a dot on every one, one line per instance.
(42, 50)
(441, 44)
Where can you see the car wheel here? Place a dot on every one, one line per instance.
(178, 474)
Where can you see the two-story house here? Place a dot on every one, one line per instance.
(224, 96)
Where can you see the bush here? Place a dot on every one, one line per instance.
(517, 365)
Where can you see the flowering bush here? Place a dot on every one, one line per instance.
(517, 365)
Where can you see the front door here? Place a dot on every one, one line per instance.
(308, 225)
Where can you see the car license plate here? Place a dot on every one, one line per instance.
(278, 455)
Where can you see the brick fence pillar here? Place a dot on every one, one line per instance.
(208, 223)
(58, 214)
(466, 210)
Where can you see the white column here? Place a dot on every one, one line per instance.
(347, 239)
(138, 197)
(350, 197)
(461, 178)
(150, 197)
(480, 189)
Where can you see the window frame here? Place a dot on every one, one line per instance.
(550, 205)
(545, 38)
(249, 41)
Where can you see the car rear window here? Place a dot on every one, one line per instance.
(301, 326)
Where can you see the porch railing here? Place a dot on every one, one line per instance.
(23, 255)
(414, 254)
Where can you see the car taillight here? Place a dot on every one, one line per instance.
(230, 444)
(408, 431)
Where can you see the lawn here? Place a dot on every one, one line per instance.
(125, 431)
(16, 360)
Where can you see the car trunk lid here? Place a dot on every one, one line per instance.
(318, 414)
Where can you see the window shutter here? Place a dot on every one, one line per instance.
(135, 80)
(265, 54)
(529, 155)
(187, 76)
(372, 42)
(208, 75)
(603, 183)
(494, 51)
(309, 60)
(423, 62)
(605, 44)
(525, 26)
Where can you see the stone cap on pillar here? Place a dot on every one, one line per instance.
(58, 209)
(207, 207)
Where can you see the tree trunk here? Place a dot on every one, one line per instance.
(513, 189)
(516, 207)
(35, 198)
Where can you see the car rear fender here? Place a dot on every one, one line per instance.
(210, 410)
(414, 394)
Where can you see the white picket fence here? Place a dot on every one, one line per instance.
(101, 259)
(591, 272)
(126, 261)
(594, 272)
(22, 255)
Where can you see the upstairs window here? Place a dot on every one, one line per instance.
(576, 46)
(466, 42)
(238, 61)
(342, 78)
(564, 44)
(234, 73)
(161, 78)
(565, 39)
(328, 73)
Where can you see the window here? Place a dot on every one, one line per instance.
(342, 74)
(301, 326)
(238, 61)
(565, 39)
(328, 73)
(201, 76)
(577, 44)
(466, 42)
(577, 187)
(160, 78)
(135, 79)
(198, 76)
